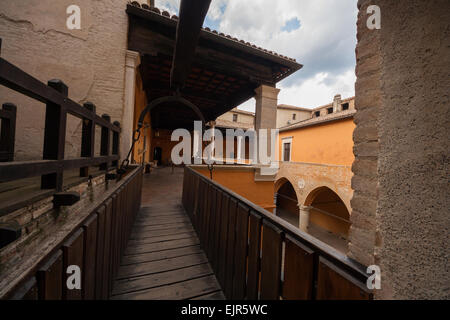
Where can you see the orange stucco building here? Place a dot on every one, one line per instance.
(319, 141)
(313, 185)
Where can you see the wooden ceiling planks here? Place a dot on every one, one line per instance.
(224, 73)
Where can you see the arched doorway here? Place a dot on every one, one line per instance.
(157, 155)
(329, 218)
(287, 203)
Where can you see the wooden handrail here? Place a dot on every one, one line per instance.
(58, 105)
(324, 261)
(24, 169)
(106, 224)
(20, 81)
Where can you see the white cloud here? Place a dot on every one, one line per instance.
(324, 44)
(315, 91)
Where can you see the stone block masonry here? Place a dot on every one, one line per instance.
(400, 205)
(91, 61)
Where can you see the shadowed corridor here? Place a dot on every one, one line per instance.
(163, 258)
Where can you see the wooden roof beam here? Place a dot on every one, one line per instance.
(192, 16)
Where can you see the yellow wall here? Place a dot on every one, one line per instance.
(243, 183)
(285, 115)
(329, 143)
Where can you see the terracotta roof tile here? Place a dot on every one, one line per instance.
(231, 38)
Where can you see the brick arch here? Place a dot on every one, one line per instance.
(311, 191)
(281, 181)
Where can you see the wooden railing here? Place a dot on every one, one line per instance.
(95, 246)
(53, 164)
(256, 255)
(8, 132)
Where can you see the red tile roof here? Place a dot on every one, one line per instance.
(213, 32)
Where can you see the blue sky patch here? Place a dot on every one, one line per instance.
(291, 25)
(212, 24)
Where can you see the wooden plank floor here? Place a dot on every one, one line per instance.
(163, 258)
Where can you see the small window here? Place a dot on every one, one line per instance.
(345, 106)
(294, 116)
(235, 117)
(330, 110)
(287, 152)
(317, 113)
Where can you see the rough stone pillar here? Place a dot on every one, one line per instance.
(400, 201)
(304, 218)
(266, 110)
(132, 61)
(365, 139)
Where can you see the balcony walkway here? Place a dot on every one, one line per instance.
(163, 258)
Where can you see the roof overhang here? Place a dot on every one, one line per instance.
(225, 71)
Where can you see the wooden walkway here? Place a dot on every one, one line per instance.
(163, 258)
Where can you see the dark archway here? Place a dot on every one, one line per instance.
(287, 203)
(329, 218)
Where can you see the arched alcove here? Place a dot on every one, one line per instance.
(287, 202)
(329, 218)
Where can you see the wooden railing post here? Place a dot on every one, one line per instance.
(87, 139)
(55, 136)
(8, 132)
(105, 142)
(115, 144)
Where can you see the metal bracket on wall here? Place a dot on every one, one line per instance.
(9, 232)
(110, 176)
(65, 198)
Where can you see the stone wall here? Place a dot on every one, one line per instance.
(400, 204)
(242, 117)
(90, 61)
(285, 116)
(365, 139)
(337, 106)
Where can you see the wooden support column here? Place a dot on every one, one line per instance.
(116, 144)
(55, 136)
(105, 143)
(8, 132)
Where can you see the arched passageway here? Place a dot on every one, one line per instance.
(329, 218)
(287, 203)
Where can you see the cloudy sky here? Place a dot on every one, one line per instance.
(320, 34)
